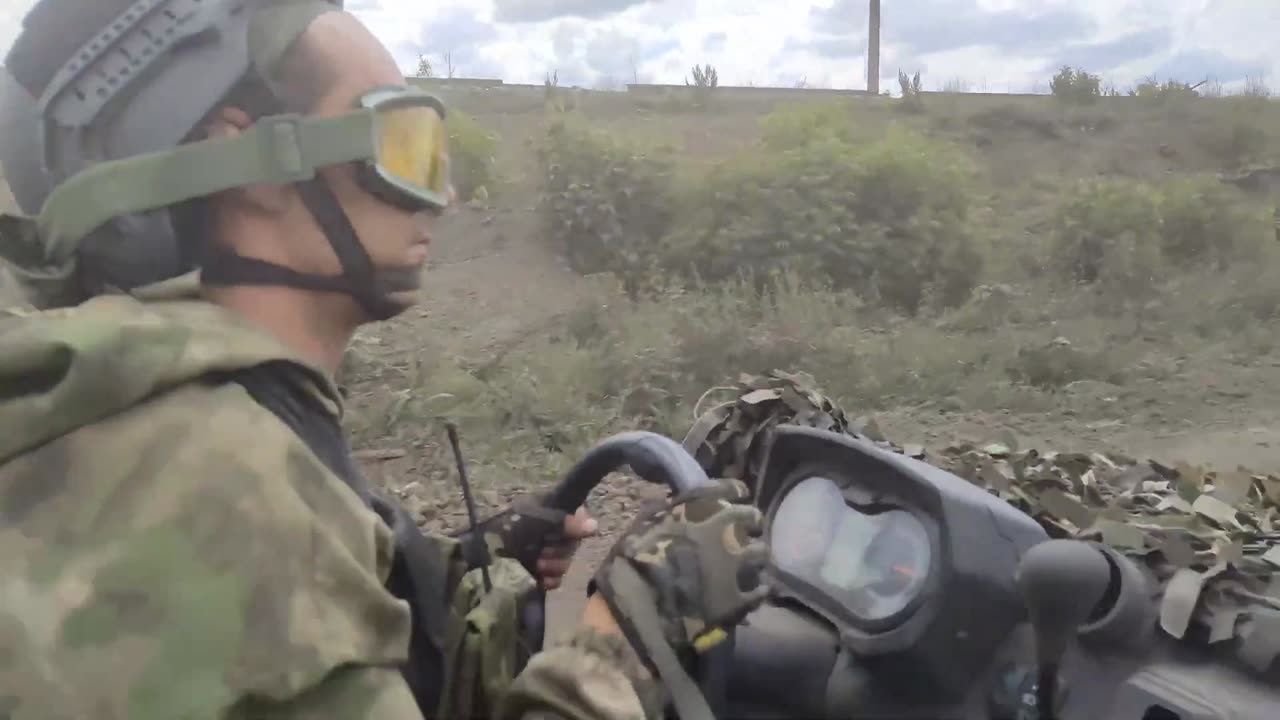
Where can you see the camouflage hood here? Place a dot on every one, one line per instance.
(66, 368)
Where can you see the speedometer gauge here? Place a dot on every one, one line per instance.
(874, 565)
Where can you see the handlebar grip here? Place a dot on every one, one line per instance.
(656, 458)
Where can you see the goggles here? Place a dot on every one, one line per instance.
(411, 165)
(396, 135)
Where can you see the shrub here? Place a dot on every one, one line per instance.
(705, 80)
(1154, 91)
(1238, 140)
(1117, 232)
(1205, 222)
(471, 155)
(887, 220)
(1108, 232)
(605, 203)
(704, 76)
(1256, 87)
(1075, 86)
(805, 123)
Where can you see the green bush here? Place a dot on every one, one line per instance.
(1155, 92)
(1239, 139)
(1075, 86)
(1207, 222)
(471, 155)
(1106, 225)
(806, 123)
(1101, 219)
(605, 204)
(887, 220)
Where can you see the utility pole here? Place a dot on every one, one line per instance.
(873, 48)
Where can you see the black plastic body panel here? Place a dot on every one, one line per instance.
(971, 633)
(972, 602)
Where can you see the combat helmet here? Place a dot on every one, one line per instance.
(101, 101)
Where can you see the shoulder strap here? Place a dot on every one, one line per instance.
(419, 575)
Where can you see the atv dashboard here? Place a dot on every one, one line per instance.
(911, 564)
(906, 576)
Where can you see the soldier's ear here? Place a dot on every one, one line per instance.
(229, 122)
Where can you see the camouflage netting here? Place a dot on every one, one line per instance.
(1208, 538)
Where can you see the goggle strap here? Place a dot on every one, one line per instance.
(328, 214)
(224, 268)
(358, 279)
(276, 150)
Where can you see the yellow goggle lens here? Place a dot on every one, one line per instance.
(413, 148)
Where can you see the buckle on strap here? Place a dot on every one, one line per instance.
(280, 140)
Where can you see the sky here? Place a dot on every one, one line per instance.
(978, 45)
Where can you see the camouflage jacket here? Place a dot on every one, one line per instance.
(171, 549)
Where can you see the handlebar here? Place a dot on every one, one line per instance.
(653, 457)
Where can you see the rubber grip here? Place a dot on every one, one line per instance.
(656, 458)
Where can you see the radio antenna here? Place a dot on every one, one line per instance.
(481, 547)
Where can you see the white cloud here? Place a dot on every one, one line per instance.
(997, 45)
(11, 12)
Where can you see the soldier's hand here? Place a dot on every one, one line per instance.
(541, 538)
(555, 560)
(693, 565)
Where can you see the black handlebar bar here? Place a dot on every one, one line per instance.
(655, 458)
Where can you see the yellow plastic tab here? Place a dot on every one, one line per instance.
(709, 639)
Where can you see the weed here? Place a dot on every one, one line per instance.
(912, 93)
(1255, 86)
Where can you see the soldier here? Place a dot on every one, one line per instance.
(183, 532)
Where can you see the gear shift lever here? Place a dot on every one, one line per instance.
(1062, 581)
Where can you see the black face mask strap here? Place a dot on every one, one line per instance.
(219, 267)
(358, 279)
(337, 228)
(357, 268)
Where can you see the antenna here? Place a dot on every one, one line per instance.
(481, 548)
